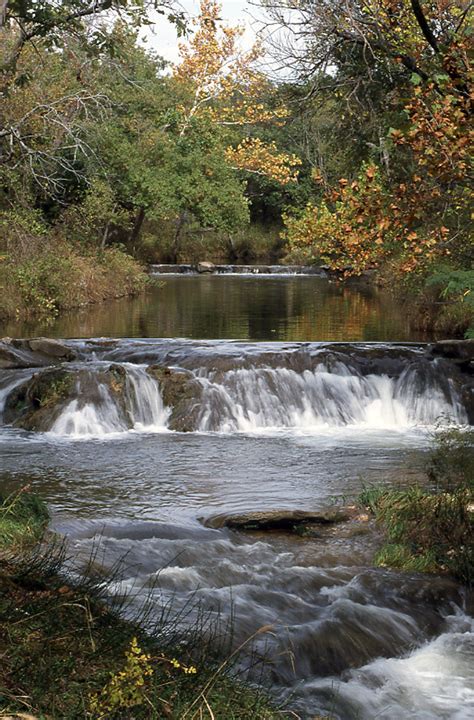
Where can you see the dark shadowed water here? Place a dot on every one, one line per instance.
(239, 307)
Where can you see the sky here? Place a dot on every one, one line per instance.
(163, 39)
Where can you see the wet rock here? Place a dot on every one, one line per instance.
(182, 393)
(205, 267)
(301, 522)
(36, 403)
(461, 352)
(51, 348)
(38, 352)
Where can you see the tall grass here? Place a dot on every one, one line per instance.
(431, 529)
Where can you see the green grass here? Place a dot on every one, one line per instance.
(431, 529)
(23, 519)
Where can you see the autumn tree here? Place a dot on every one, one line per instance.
(412, 210)
(223, 84)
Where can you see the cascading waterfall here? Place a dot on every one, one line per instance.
(141, 408)
(296, 391)
(258, 398)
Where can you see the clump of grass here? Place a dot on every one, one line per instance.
(23, 519)
(68, 651)
(431, 530)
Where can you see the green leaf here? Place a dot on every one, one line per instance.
(415, 79)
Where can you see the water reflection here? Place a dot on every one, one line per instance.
(242, 307)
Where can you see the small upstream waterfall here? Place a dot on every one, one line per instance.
(96, 412)
(258, 398)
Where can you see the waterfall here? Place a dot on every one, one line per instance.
(257, 398)
(140, 408)
(285, 392)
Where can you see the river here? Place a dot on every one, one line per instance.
(285, 419)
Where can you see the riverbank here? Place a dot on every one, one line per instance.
(47, 279)
(66, 653)
(430, 528)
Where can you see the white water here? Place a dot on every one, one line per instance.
(144, 410)
(432, 683)
(262, 398)
(253, 399)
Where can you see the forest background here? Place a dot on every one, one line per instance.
(359, 160)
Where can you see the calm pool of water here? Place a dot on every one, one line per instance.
(237, 307)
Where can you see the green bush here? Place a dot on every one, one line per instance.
(55, 276)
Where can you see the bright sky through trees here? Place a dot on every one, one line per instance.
(162, 37)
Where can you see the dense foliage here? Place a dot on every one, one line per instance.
(386, 123)
(362, 144)
(105, 149)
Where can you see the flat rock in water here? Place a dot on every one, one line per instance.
(205, 267)
(286, 520)
(37, 352)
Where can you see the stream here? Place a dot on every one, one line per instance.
(299, 393)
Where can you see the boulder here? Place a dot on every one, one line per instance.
(182, 393)
(38, 402)
(51, 348)
(205, 267)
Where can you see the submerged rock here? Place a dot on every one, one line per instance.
(182, 393)
(295, 521)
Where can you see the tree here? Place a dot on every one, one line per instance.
(411, 208)
(419, 36)
(221, 83)
(23, 22)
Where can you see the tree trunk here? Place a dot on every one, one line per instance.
(105, 236)
(175, 248)
(137, 226)
(231, 254)
(3, 12)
